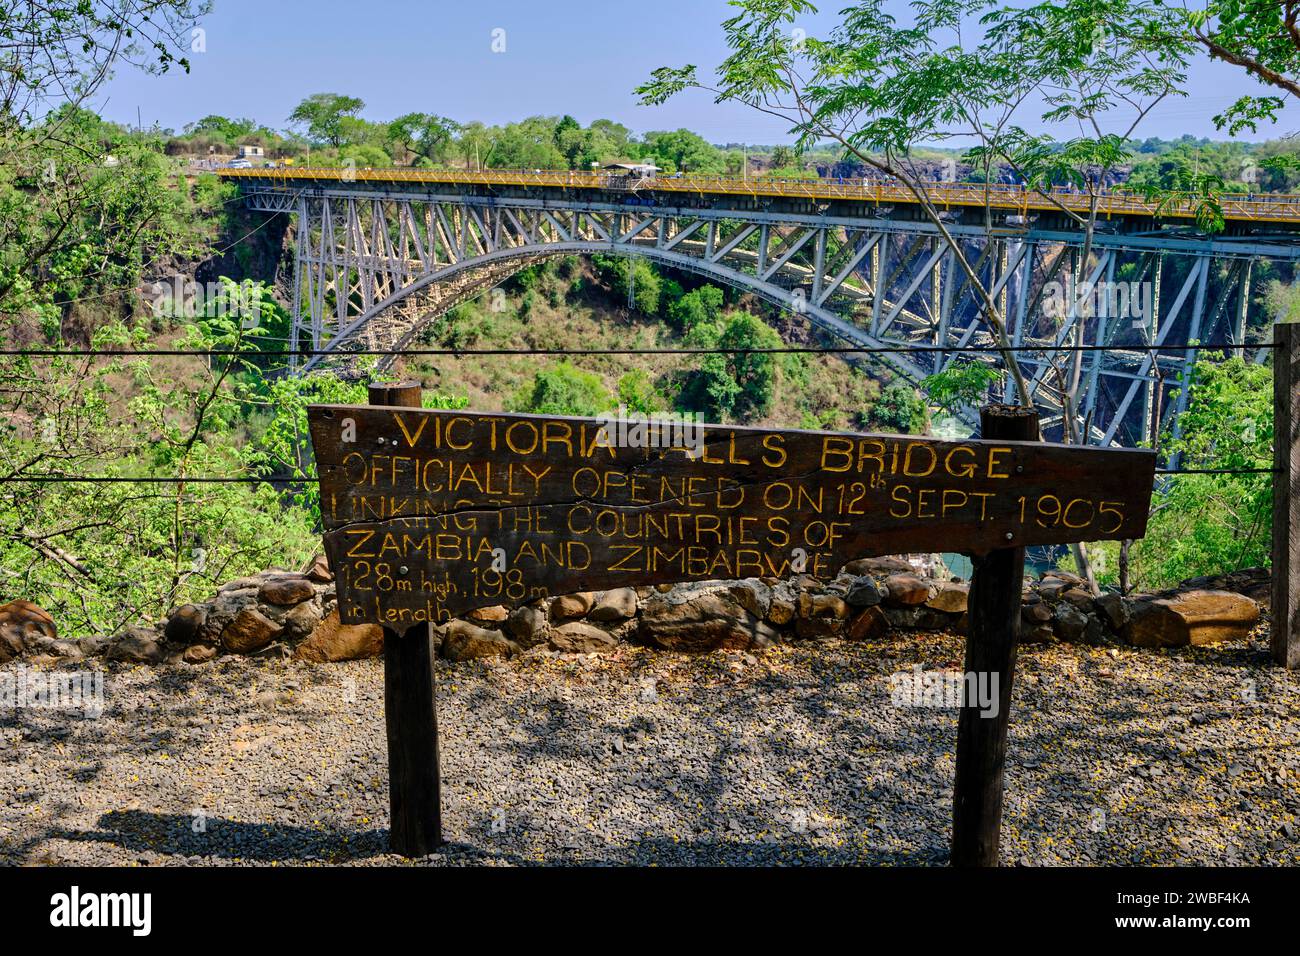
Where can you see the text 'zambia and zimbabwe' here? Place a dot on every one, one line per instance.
(432, 513)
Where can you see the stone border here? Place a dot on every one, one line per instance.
(294, 614)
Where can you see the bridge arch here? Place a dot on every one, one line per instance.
(497, 265)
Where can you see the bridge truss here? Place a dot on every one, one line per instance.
(377, 266)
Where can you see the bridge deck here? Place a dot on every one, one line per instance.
(1264, 208)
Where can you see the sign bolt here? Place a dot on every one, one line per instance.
(1010, 535)
(403, 569)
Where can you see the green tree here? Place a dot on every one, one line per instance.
(733, 384)
(324, 117)
(564, 389)
(1260, 37)
(636, 391)
(899, 409)
(698, 307)
(1211, 523)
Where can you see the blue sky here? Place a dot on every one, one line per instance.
(561, 56)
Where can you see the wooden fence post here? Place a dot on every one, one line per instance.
(994, 628)
(1286, 495)
(410, 711)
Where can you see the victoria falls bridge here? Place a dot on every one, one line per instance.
(382, 254)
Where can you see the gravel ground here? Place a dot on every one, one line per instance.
(795, 756)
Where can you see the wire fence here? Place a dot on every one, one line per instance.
(566, 352)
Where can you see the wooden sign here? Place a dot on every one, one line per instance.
(430, 514)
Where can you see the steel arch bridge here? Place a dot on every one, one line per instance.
(381, 255)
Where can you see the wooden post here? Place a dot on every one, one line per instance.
(994, 628)
(1286, 495)
(410, 711)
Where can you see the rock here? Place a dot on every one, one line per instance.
(22, 625)
(1113, 608)
(1069, 622)
(568, 606)
(199, 654)
(707, 621)
(319, 570)
(822, 606)
(1035, 614)
(780, 611)
(302, 620)
(489, 615)
(1039, 634)
(137, 646)
(918, 618)
(816, 628)
(870, 625)
(1051, 589)
(754, 596)
(463, 641)
(578, 637)
(950, 598)
(879, 566)
(249, 631)
(527, 625)
(863, 593)
(1066, 576)
(616, 605)
(286, 591)
(335, 641)
(183, 626)
(905, 590)
(1190, 617)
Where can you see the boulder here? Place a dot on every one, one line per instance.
(824, 606)
(906, 590)
(705, 622)
(753, 595)
(781, 611)
(249, 631)
(1190, 617)
(869, 625)
(183, 626)
(319, 570)
(286, 590)
(199, 654)
(815, 628)
(137, 646)
(1069, 622)
(331, 641)
(527, 625)
(863, 593)
(463, 641)
(616, 605)
(950, 598)
(302, 620)
(578, 637)
(489, 615)
(566, 607)
(879, 566)
(1113, 608)
(23, 626)
(1035, 614)
(1037, 634)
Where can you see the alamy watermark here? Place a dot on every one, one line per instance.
(948, 689)
(1131, 301)
(26, 689)
(184, 298)
(623, 429)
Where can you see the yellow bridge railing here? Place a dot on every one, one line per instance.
(1264, 207)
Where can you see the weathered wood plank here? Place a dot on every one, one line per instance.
(991, 638)
(410, 712)
(433, 513)
(1286, 495)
